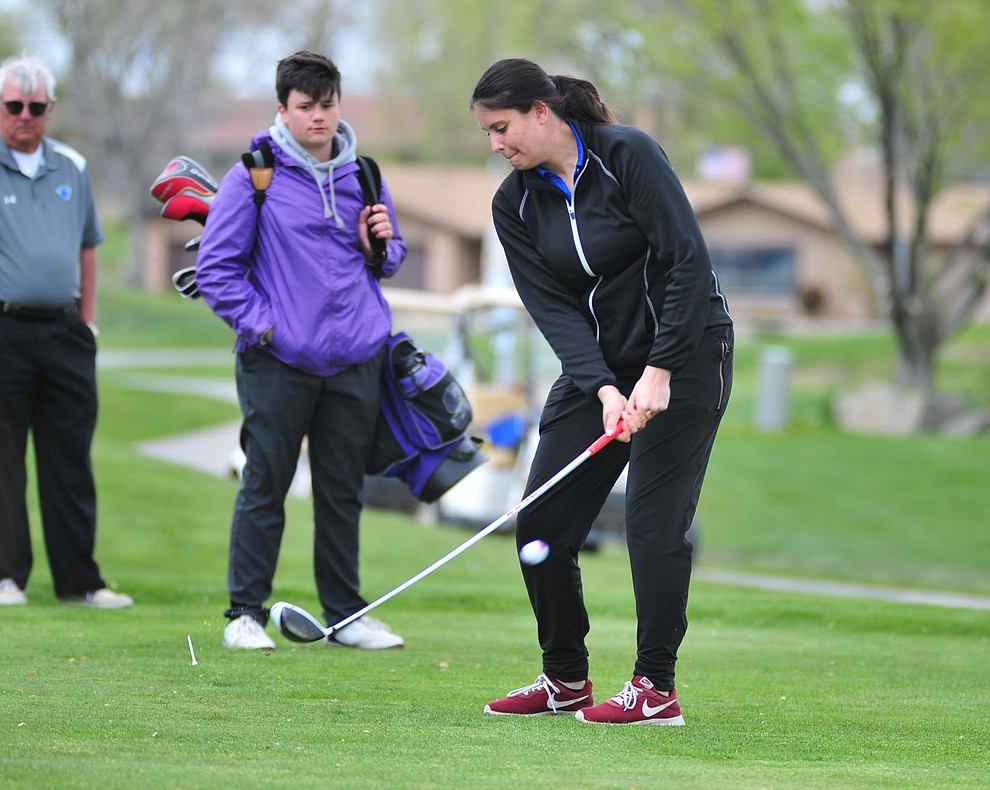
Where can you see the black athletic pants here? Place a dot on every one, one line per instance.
(667, 462)
(338, 413)
(48, 388)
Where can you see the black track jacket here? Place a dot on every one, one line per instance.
(619, 278)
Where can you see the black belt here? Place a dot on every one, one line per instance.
(37, 313)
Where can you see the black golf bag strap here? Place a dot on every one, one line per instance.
(261, 165)
(370, 176)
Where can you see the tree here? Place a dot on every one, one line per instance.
(785, 65)
(438, 49)
(800, 81)
(10, 34)
(144, 74)
(134, 85)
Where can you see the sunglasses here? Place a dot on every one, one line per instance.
(36, 108)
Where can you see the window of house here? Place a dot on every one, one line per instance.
(763, 271)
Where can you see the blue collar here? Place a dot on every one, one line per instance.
(556, 180)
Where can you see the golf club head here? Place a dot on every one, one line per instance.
(180, 207)
(296, 624)
(183, 175)
(184, 281)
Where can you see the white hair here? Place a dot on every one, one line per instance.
(29, 74)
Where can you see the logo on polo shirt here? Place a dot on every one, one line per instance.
(9, 199)
(64, 192)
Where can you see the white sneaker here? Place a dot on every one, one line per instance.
(365, 633)
(11, 594)
(247, 633)
(99, 599)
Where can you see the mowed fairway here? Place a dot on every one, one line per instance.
(779, 689)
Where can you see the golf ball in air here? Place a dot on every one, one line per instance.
(534, 552)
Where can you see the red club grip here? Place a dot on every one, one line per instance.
(606, 438)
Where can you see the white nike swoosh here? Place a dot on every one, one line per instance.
(649, 710)
(553, 703)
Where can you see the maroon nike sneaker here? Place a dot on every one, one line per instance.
(638, 703)
(543, 698)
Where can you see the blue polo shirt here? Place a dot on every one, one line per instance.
(44, 223)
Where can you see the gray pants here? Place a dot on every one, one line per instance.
(280, 406)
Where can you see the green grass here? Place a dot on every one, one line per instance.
(129, 319)
(780, 690)
(894, 511)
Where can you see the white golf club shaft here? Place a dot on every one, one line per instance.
(593, 448)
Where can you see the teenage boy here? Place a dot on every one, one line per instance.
(294, 279)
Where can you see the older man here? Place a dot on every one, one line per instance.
(48, 236)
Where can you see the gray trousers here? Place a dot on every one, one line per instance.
(280, 406)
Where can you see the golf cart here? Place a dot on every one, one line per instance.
(493, 348)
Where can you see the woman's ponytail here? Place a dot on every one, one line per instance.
(515, 83)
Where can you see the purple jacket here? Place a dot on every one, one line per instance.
(292, 269)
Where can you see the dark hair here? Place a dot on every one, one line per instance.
(515, 83)
(309, 73)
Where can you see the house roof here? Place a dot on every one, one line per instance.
(455, 198)
(951, 213)
(459, 198)
(790, 199)
(230, 125)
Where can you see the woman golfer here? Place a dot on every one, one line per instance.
(606, 254)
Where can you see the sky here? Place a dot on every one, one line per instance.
(41, 40)
(240, 63)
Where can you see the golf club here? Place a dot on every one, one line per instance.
(187, 191)
(299, 625)
(183, 175)
(184, 281)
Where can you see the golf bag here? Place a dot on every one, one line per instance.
(421, 434)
